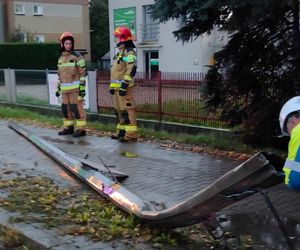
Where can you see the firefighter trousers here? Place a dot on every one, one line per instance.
(73, 111)
(126, 114)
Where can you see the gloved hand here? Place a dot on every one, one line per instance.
(82, 90)
(112, 91)
(82, 93)
(58, 92)
(123, 88)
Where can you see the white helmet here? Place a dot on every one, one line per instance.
(290, 106)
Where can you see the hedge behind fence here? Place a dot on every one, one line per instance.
(29, 55)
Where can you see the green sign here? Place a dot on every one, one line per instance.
(154, 62)
(126, 17)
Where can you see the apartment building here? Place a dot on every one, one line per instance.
(157, 48)
(45, 20)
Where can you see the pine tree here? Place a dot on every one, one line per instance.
(262, 57)
(100, 28)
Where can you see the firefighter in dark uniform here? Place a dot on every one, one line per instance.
(71, 87)
(122, 86)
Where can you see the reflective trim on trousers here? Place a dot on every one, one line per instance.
(68, 122)
(121, 126)
(80, 123)
(131, 128)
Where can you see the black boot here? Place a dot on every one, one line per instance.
(67, 131)
(127, 139)
(114, 136)
(117, 136)
(79, 133)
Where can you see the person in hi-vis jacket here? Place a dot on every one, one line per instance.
(71, 87)
(122, 86)
(289, 120)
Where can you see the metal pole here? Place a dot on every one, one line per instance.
(277, 218)
(159, 97)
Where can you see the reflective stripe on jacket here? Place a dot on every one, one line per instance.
(124, 65)
(69, 86)
(71, 70)
(116, 84)
(293, 160)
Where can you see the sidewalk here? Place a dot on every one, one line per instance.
(158, 174)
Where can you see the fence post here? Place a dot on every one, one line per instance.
(48, 91)
(92, 86)
(7, 85)
(10, 85)
(159, 96)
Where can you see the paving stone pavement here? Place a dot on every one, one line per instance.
(158, 174)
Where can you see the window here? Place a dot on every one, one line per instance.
(19, 9)
(150, 28)
(39, 38)
(38, 10)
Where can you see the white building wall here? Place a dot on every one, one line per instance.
(174, 56)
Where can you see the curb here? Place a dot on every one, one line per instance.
(26, 235)
(34, 245)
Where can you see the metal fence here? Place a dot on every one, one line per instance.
(31, 87)
(174, 97)
(38, 87)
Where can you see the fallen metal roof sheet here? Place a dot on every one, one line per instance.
(237, 184)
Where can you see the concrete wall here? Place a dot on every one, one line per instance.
(173, 55)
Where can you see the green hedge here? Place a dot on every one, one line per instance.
(29, 55)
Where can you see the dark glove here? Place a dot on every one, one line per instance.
(82, 93)
(112, 91)
(123, 88)
(82, 90)
(58, 92)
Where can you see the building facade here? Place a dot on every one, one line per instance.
(157, 48)
(45, 20)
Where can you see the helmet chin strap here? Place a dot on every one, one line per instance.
(120, 44)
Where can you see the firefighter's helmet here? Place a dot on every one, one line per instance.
(289, 107)
(123, 33)
(65, 36)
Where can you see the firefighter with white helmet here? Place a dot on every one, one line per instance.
(289, 120)
(71, 87)
(121, 86)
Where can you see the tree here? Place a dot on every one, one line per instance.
(99, 23)
(262, 57)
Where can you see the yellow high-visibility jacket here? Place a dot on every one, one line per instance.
(71, 70)
(292, 163)
(123, 67)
